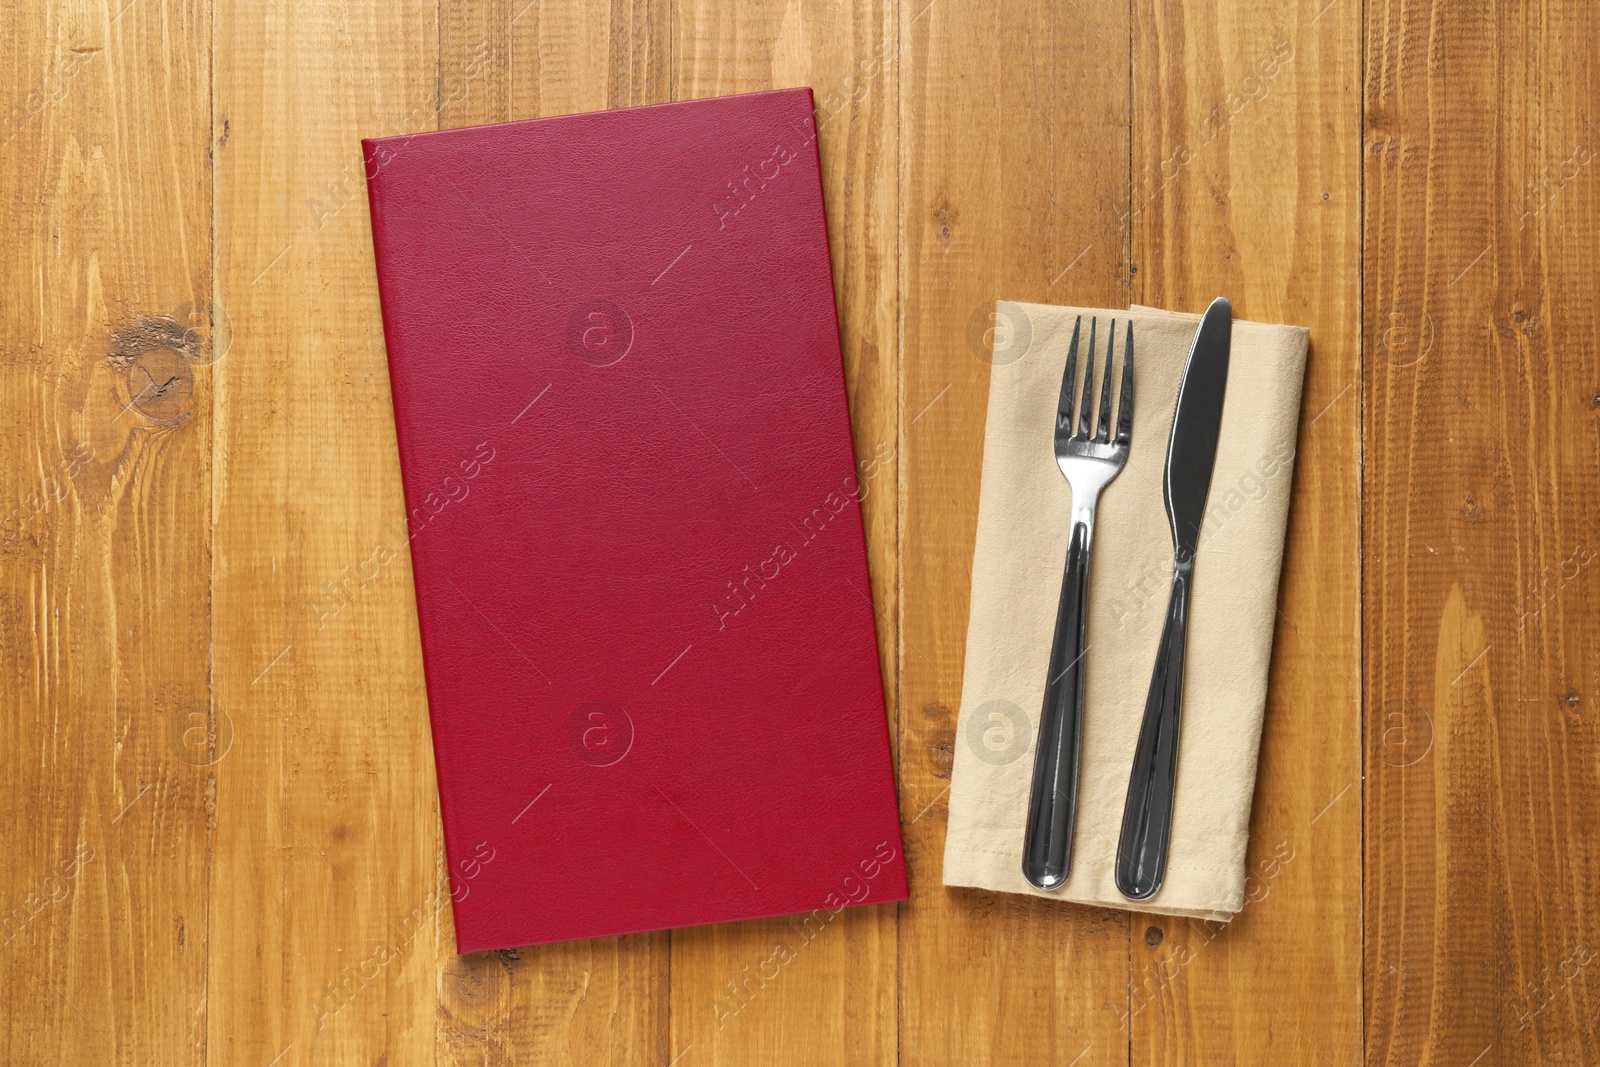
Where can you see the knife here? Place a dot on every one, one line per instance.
(1191, 454)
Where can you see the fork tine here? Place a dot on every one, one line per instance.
(1125, 399)
(1102, 429)
(1068, 380)
(1088, 386)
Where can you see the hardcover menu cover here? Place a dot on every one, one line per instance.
(635, 520)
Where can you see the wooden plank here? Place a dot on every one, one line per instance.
(1247, 184)
(1481, 627)
(1014, 126)
(768, 991)
(327, 888)
(589, 1002)
(105, 486)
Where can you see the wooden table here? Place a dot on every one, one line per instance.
(219, 808)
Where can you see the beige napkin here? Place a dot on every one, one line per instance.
(1023, 515)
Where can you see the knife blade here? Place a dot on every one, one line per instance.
(1196, 426)
(1191, 456)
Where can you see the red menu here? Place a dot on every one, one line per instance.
(634, 516)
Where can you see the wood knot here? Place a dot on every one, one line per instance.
(942, 751)
(945, 216)
(156, 355)
(942, 742)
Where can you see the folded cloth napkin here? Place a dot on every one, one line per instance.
(1023, 526)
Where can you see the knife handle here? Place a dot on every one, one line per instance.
(1147, 817)
(1053, 800)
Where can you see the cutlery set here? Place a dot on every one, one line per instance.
(1090, 457)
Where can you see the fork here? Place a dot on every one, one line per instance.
(1089, 463)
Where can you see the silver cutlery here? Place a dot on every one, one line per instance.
(1191, 455)
(1089, 461)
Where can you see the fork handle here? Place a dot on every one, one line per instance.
(1147, 816)
(1053, 800)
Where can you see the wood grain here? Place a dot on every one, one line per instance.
(218, 783)
(1247, 182)
(105, 542)
(1014, 130)
(325, 901)
(1481, 475)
